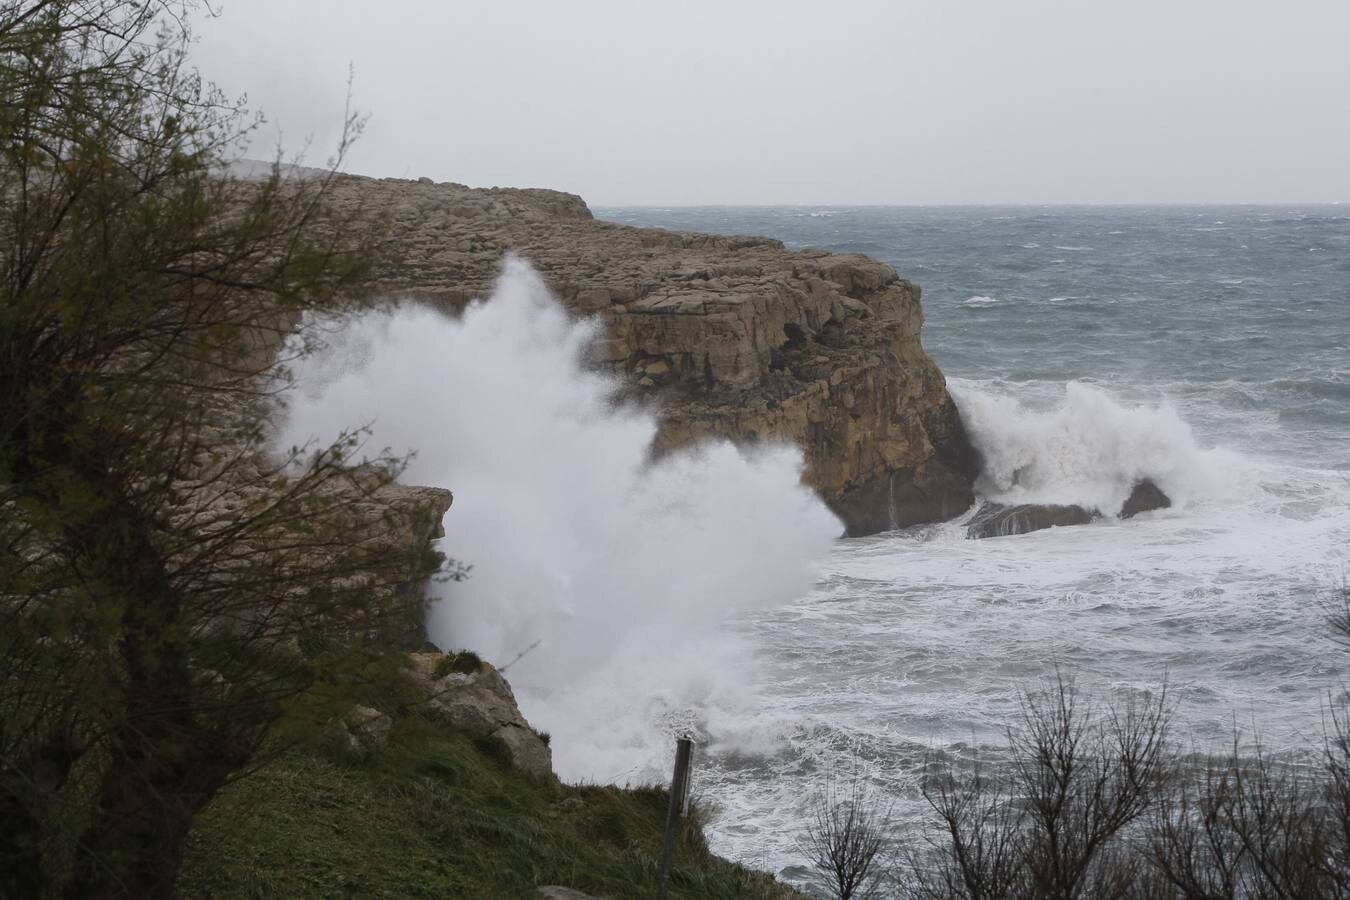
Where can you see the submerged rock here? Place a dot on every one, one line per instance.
(998, 520)
(1145, 496)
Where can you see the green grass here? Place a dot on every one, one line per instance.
(440, 814)
(465, 661)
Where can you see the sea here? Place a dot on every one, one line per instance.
(707, 593)
(1207, 348)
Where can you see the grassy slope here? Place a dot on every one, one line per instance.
(438, 813)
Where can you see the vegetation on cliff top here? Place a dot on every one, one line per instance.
(441, 813)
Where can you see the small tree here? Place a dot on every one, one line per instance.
(848, 840)
(982, 849)
(1054, 827)
(167, 590)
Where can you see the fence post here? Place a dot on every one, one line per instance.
(679, 790)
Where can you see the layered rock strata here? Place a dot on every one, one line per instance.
(728, 337)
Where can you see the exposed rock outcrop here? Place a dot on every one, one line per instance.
(730, 337)
(998, 520)
(391, 528)
(1145, 496)
(477, 698)
(400, 522)
(365, 728)
(418, 525)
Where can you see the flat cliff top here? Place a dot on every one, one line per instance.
(451, 238)
(447, 242)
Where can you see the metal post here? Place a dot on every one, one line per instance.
(679, 789)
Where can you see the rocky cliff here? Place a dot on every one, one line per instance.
(733, 337)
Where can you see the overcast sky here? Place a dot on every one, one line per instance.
(829, 102)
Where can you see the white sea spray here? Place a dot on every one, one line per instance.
(610, 572)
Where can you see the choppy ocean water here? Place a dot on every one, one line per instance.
(1208, 348)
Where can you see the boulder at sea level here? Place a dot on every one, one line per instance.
(1145, 496)
(1000, 520)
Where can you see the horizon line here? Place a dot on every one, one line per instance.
(978, 205)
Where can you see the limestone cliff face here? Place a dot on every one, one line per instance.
(415, 523)
(732, 337)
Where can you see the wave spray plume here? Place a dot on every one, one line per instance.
(619, 568)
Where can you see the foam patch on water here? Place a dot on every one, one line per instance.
(1088, 448)
(611, 573)
(979, 301)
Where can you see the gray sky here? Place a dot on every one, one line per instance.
(850, 101)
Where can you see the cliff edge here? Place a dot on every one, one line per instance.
(730, 337)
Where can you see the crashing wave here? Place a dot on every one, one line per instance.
(1088, 450)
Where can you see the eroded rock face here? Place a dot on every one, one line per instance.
(481, 701)
(729, 337)
(394, 527)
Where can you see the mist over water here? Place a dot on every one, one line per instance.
(610, 573)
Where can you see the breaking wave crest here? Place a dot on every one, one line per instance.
(1088, 448)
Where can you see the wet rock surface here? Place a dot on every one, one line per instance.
(999, 520)
(1146, 496)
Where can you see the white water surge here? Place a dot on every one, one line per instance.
(1088, 448)
(617, 571)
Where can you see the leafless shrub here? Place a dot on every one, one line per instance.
(848, 840)
(1096, 805)
(981, 850)
(1054, 826)
(1249, 826)
(1338, 611)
